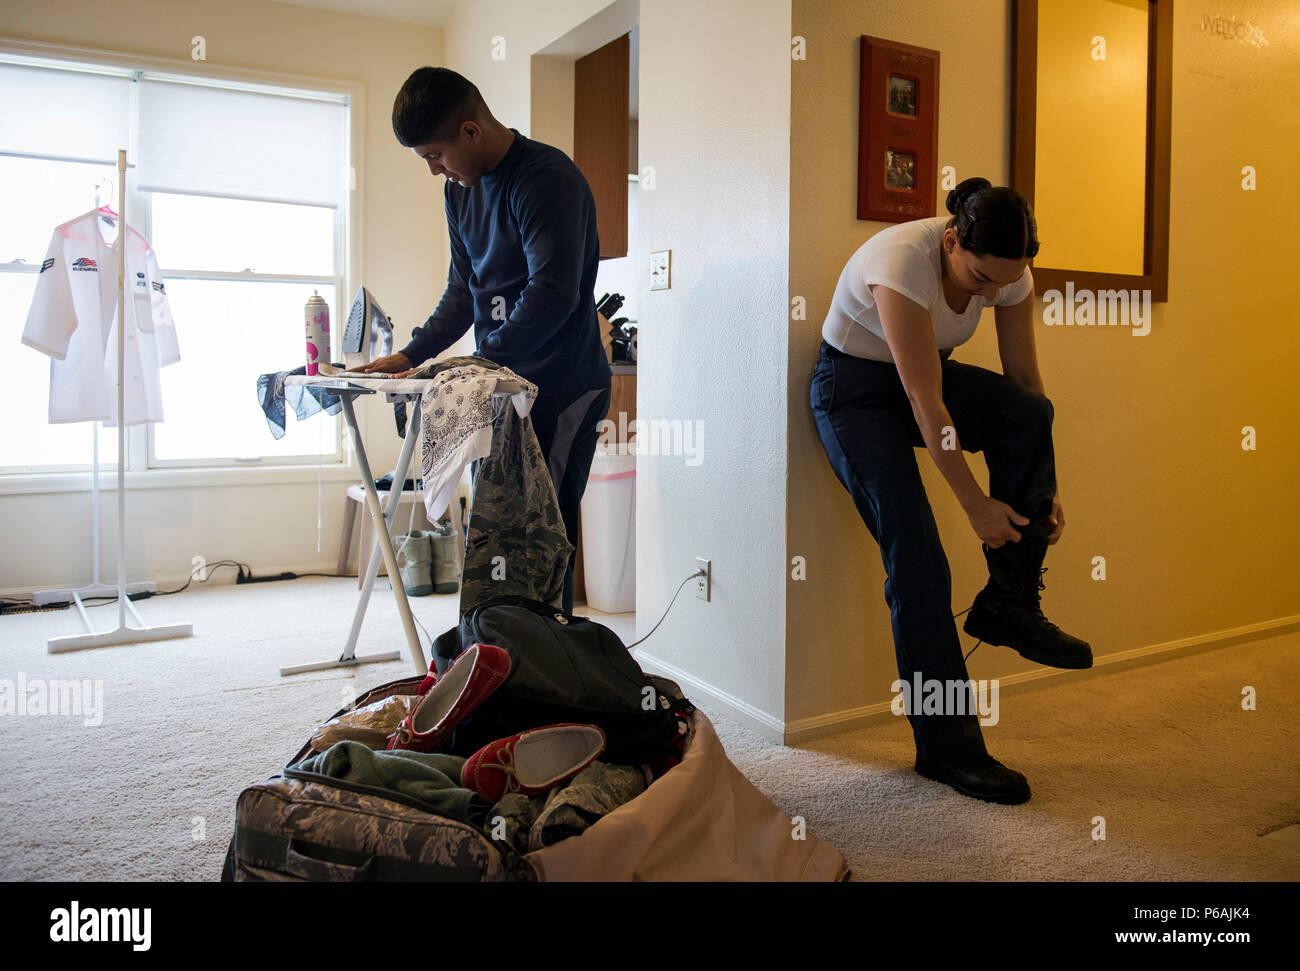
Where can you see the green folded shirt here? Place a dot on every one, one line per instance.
(431, 777)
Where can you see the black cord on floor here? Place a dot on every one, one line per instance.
(9, 605)
(28, 607)
(211, 568)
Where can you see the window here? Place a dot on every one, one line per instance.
(241, 190)
(235, 315)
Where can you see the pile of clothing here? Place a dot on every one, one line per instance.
(531, 789)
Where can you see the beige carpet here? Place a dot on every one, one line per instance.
(1185, 779)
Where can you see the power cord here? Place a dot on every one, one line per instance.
(10, 606)
(697, 573)
(700, 573)
(244, 571)
(425, 629)
(413, 617)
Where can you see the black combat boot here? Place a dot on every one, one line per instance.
(1007, 611)
(982, 778)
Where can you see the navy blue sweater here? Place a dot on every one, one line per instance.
(526, 233)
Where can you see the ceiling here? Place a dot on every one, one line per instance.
(434, 13)
(430, 13)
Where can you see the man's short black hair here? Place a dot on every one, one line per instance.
(432, 105)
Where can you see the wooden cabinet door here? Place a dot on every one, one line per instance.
(600, 137)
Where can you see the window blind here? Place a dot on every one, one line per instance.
(203, 140)
(64, 113)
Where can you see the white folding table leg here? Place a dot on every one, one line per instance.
(394, 503)
(383, 547)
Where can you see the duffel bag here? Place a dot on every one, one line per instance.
(299, 825)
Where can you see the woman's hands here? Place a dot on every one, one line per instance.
(1056, 519)
(995, 522)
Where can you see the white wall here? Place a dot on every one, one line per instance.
(270, 522)
(715, 125)
(714, 85)
(470, 46)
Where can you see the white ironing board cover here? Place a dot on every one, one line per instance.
(406, 387)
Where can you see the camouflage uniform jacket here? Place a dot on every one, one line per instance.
(516, 543)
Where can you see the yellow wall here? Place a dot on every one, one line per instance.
(1199, 536)
(1090, 134)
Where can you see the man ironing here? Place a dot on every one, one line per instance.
(524, 251)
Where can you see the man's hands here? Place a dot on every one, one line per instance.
(398, 364)
(995, 522)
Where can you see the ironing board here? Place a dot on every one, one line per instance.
(348, 388)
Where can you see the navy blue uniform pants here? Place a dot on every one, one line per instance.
(866, 425)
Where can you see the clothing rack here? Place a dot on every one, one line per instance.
(124, 633)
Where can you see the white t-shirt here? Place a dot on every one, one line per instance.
(904, 257)
(73, 319)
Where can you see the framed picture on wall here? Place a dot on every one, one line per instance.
(898, 131)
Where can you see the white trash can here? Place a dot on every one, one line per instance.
(609, 533)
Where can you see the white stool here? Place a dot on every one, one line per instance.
(356, 497)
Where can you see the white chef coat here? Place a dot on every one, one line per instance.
(73, 319)
(905, 258)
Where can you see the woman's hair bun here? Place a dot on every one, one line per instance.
(964, 189)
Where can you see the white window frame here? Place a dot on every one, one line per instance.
(141, 472)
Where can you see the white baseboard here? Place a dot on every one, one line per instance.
(832, 723)
(697, 690)
(806, 729)
(222, 577)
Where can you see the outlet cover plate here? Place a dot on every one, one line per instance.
(661, 268)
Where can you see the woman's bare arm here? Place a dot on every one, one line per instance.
(910, 337)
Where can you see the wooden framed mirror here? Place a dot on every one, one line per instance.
(1091, 82)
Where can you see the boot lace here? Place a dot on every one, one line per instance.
(1031, 589)
(1032, 586)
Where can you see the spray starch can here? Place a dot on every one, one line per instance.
(318, 333)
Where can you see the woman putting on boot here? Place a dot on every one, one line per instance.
(884, 385)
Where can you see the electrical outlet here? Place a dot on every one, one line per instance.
(704, 584)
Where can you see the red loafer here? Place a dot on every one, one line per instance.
(475, 674)
(430, 679)
(532, 761)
